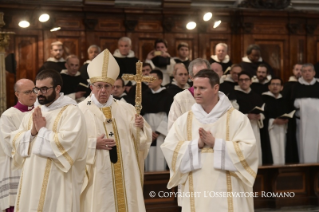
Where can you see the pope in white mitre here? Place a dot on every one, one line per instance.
(49, 146)
(211, 150)
(114, 174)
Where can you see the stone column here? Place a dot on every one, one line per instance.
(4, 41)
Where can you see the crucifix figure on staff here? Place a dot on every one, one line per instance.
(138, 78)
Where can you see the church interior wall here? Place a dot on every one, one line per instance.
(285, 37)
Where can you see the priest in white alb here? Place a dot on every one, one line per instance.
(50, 147)
(114, 177)
(9, 122)
(212, 149)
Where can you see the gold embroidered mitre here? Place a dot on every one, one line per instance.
(103, 68)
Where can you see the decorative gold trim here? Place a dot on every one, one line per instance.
(229, 189)
(21, 178)
(138, 161)
(190, 176)
(119, 174)
(30, 122)
(56, 138)
(19, 193)
(227, 123)
(14, 142)
(228, 177)
(107, 112)
(175, 154)
(233, 174)
(243, 161)
(191, 190)
(44, 185)
(207, 150)
(189, 125)
(105, 63)
(102, 79)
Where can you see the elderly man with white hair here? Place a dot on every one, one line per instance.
(221, 57)
(93, 51)
(125, 57)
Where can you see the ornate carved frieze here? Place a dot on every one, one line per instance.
(265, 4)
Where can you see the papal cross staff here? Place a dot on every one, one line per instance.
(138, 78)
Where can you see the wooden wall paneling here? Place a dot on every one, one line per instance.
(71, 42)
(297, 51)
(108, 40)
(312, 55)
(104, 40)
(143, 43)
(114, 23)
(26, 56)
(174, 39)
(10, 80)
(274, 50)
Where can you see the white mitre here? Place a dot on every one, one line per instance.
(103, 68)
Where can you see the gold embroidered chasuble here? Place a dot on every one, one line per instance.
(114, 187)
(48, 184)
(201, 189)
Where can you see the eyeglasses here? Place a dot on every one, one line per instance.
(42, 89)
(100, 87)
(244, 80)
(27, 92)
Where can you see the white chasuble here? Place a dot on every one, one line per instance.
(109, 186)
(9, 178)
(53, 162)
(230, 167)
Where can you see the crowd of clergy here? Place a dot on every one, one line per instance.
(283, 118)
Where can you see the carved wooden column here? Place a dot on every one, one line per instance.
(4, 41)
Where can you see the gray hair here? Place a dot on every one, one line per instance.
(70, 57)
(197, 62)
(126, 39)
(308, 65)
(222, 44)
(15, 87)
(94, 46)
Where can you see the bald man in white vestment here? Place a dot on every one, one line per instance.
(212, 149)
(9, 122)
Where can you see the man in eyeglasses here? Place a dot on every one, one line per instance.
(9, 122)
(247, 100)
(50, 147)
(114, 177)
